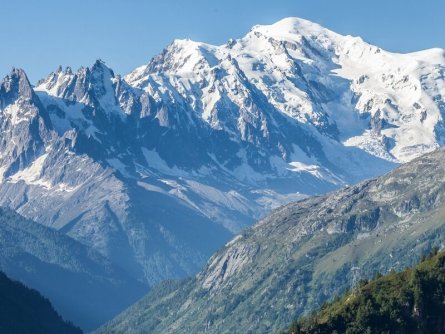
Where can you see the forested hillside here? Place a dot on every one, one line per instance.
(412, 301)
(26, 311)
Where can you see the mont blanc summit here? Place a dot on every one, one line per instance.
(157, 169)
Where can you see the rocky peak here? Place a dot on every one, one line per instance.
(24, 123)
(101, 86)
(93, 87)
(14, 86)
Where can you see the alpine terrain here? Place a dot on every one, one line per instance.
(407, 302)
(156, 170)
(83, 286)
(25, 311)
(301, 255)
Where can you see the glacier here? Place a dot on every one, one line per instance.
(157, 169)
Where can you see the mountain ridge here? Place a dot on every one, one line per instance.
(301, 255)
(212, 137)
(405, 302)
(82, 285)
(24, 310)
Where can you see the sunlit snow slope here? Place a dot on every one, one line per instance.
(157, 169)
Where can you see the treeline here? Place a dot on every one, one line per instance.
(26, 311)
(412, 301)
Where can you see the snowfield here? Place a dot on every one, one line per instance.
(158, 169)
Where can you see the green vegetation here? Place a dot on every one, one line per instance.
(26, 311)
(412, 301)
(301, 256)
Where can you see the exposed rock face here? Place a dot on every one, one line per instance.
(158, 169)
(302, 254)
(23, 127)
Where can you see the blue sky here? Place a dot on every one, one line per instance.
(40, 35)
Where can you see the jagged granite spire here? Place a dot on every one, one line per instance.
(15, 85)
(156, 170)
(24, 123)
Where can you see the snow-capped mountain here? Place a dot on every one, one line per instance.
(159, 168)
(340, 86)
